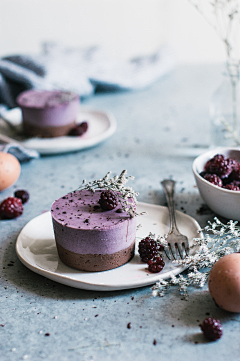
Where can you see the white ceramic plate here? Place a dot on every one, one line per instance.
(101, 126)
(36, 249)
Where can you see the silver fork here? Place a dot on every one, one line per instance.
(176, 241)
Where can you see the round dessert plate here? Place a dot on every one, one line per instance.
(37, 250)
(101, 125)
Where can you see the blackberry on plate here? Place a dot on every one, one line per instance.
(79, 129)
(147, 249)
(11, 207)
(108, 200)
(211, 328)
(22, 194)
(214, 179)
(155, 265)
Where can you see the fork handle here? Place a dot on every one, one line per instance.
(169, 188)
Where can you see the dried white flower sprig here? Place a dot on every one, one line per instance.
(223, 16)
(219, 240)
(117, 185)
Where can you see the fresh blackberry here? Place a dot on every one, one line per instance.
(214, 179)
(219, 165)
(11, 207)
(217, 157)
(155, 265)
(147, 249)
(202, 174)
(232, 187)
(211, 328)
(22, 194)
(108, 200)
(236, 183)
(79, 129)
(235, 175)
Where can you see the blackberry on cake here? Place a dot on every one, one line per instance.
(108, 200)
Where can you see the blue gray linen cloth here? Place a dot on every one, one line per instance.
(82, 71)
(21, 153)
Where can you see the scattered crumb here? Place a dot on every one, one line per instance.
(204, 209)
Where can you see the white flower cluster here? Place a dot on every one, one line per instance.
(219, 240)
(116, 185)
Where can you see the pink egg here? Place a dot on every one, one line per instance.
(224, 282)
(10, 170)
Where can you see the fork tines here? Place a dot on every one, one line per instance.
(177, 249)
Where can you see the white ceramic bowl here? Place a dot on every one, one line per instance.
(222, 201)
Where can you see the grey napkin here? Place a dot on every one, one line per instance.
(82, 71)
(21, 153)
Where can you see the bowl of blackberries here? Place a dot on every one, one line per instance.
(217, 174)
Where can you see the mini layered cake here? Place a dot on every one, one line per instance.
(48, 114)
(89, 238)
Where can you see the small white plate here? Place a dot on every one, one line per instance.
(37, 250)
(101, 125)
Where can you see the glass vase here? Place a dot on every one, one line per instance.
(225, 109)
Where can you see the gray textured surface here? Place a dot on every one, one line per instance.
(44, 320)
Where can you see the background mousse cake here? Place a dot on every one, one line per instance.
(48, 113)
(89, 238)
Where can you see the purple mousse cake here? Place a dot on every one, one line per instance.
(48, 114)
(89, 238)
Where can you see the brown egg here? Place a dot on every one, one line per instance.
(224, 282)
(10, 170)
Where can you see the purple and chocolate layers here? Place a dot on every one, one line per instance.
(48, 113)
(89, 238)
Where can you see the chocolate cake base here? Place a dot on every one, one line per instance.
(46, 132)
(96, 262)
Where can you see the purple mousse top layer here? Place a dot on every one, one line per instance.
(81, 226)
(48, 108)
(43, 99)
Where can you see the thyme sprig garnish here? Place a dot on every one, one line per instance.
(219, 240)
(116, 184)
